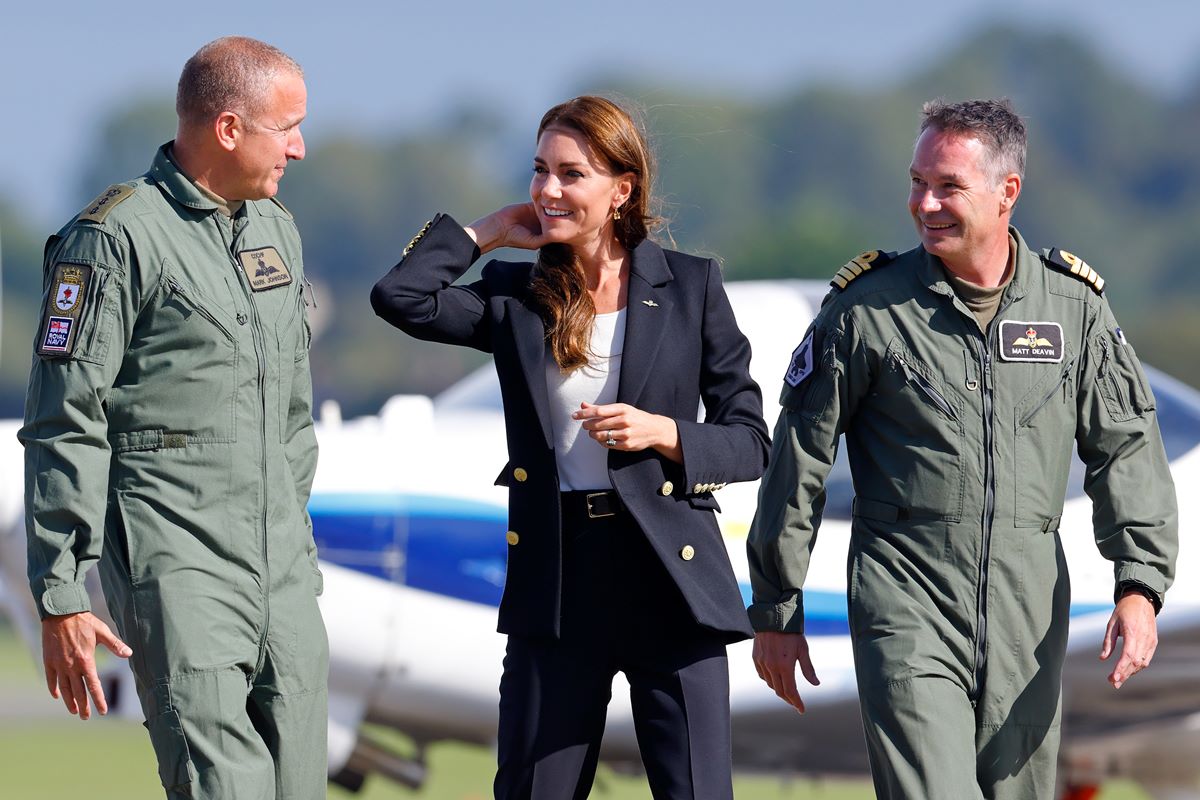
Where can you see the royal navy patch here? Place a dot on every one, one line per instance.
(64, 310)
(264, 268)
(872, 259)
(801, 365)
(1031, 341)
(99, 208)
(1076, 266)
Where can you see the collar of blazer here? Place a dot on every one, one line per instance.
(645, 326)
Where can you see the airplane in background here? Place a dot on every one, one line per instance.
(410, 530)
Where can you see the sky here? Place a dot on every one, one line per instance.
(375, 67)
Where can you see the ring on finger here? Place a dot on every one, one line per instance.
(610, 442)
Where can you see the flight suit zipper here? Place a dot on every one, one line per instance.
(984, 342)
(260, 353)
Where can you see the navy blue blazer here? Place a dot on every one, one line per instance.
(682, 347)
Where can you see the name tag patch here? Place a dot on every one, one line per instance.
(264, 268)
(1031, 341)
(802, 362)
(64, 309)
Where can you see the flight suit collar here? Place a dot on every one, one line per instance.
(1026, 271)
(175, 183)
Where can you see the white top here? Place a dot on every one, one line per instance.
(582, 461)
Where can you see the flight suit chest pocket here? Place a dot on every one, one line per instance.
(190, 367)
(921, 420)
(1045, 421)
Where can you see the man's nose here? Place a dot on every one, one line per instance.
(295, 148)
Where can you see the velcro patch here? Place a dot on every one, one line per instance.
(64, 309)
(58, 334)
(264, 268)
(1031, 341)
(801, 365)
(99, 208)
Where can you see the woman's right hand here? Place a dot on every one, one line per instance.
(512, 226)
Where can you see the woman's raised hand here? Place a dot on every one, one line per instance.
(512, 226)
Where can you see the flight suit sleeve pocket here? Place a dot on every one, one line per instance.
(80, 310)
(175, 767)
(1121, 382)
(808, 387)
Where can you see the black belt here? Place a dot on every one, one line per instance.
(593, 505)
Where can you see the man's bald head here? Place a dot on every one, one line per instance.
(234, 73)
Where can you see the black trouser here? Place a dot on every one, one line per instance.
(621, 613)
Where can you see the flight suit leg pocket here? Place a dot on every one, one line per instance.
(175, 767)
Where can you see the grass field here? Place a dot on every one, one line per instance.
(47, 756)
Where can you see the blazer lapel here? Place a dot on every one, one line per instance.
(646, 320)
(530, 336)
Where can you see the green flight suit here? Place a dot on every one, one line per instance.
(960, 446)
(169, 435)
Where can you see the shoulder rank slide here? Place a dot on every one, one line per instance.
(858, 265)
(1074, 265)
(99, 208)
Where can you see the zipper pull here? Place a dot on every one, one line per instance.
(311, 292)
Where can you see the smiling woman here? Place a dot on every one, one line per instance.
(604, 347)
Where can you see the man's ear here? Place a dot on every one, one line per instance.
(1012, 190)
(229, 129)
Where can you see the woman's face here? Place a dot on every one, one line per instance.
(573, 193)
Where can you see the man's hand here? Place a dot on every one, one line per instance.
(775, 658)
(69, 655)
(1133, 622)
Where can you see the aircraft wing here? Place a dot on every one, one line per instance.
(1149, 729)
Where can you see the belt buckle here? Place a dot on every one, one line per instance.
(597, 515)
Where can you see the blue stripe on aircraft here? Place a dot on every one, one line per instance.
(454, 548)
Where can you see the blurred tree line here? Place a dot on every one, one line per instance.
(788, 187)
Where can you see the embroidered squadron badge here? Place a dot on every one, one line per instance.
(64, 310)
(264, 268)
(1031, 341)
(801, 365)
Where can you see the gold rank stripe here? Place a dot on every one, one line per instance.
(853, 268)
(1074, 265)
(420, 235)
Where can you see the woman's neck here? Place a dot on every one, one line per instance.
(607, 276)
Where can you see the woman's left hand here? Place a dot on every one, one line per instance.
(629, 428)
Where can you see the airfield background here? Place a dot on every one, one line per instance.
(782, 177)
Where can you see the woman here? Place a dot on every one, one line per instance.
(605, 349)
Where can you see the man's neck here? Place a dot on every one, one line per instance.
(988, 269)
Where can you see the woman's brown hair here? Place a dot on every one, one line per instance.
(558, 286)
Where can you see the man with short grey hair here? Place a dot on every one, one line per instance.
(169, 437)
(962, 374)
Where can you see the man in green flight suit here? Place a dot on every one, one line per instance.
(169, 435)
(962, 373)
